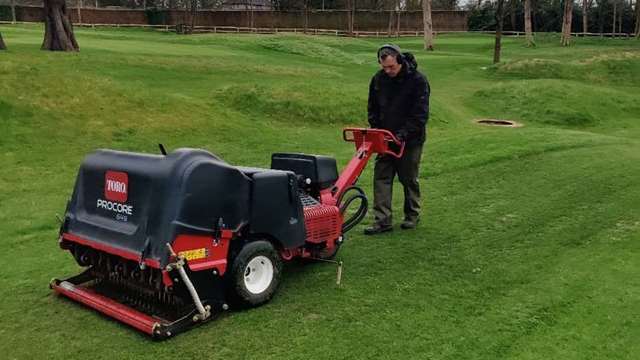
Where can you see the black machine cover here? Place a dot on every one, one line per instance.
(139, 202)
(320, 170)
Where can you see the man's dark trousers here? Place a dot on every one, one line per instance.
(407, 168)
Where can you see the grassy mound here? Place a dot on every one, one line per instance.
(320, 49)
(298, 105)
(557, 102)
(619, 68)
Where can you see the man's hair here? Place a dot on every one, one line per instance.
(387, 51)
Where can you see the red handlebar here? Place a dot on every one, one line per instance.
(368, 142)
(379, 139)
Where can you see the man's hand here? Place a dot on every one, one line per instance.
(401, 135)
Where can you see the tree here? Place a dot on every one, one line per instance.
(189, 14)
(428, 25)
(2, 45)
(499, 26)
(620, 17)
(390, 8)
(79, 5)
(527, 23)
(13, 11)
(58, 30)
(586, 4)
(637, 30)
(601, 14)
(613, 26)
(351, 8)
(249, 8)
(513, 4)
(398, 12)
(306, 15)
(565, 40)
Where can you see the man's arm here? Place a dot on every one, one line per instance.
(419, 114)
(373, 109)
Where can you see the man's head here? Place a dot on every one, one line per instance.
(390, 59)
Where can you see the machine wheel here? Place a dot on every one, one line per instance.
(255, 274)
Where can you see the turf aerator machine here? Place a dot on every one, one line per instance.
(168, 241)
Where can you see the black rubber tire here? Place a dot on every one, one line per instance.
(240, 295)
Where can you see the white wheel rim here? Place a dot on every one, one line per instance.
(258, 274)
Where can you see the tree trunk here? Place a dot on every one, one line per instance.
(58, 30)
(349, 17)
(512, 12)
(527, 23)
(353, 15)
(620, 19)
(79, 4)
(13, 11)
(600, 17)
(566, 23)
(637, 20)
(391, 13)
(428, 25)
(613, 27)
(306, 16)
(533, 16)
(585, 22)
(2, 45)
(398, 18)
(188, 10)
(194, 13)
(499, 25)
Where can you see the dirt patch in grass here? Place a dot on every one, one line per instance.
(498, 123)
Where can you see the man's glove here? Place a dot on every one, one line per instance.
(401, 135)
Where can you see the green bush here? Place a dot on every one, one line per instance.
(5, 13)
(156, 16)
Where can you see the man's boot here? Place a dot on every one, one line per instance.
(409, 224)
(377, 229)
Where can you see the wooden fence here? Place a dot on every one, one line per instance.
(309, 31)
(342, 20)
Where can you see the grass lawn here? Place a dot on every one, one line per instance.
(529, 245)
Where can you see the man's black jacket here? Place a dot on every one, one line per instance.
(400, 104)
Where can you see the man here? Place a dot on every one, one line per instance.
(398, 102)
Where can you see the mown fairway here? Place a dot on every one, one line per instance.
(529, 246)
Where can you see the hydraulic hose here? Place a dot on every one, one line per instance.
(357, 217)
